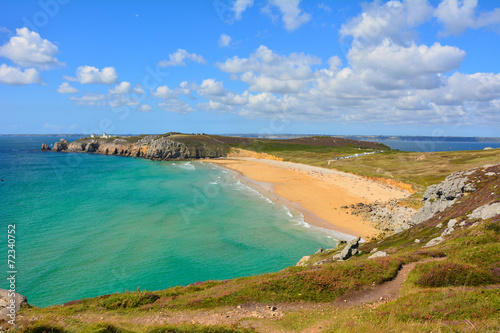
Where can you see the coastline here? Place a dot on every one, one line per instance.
(310, 218)
(317, 193)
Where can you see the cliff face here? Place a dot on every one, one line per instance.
(153, 147)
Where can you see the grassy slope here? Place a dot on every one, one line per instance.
(457, 294)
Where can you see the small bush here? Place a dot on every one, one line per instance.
(43, 329)
(129, 300)
(495, 270)
(107, 328)
(197, 329)
(433, 305)
(444, 274)
(495, 227)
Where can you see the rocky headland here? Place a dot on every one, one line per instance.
(154, 147)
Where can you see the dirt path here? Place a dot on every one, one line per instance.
(245, 315)
(383, 293)
(248, 315)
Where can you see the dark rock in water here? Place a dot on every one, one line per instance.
(45, 147)
(9, 305)
(61, 145)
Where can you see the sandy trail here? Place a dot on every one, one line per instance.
(317, 193)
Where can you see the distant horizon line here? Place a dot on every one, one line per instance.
(260, 135)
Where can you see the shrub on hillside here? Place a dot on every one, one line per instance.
(443, 274)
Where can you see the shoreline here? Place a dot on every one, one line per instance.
(309, 217)
(317, 193)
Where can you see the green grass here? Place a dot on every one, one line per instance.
(313, 284)
(445, 274)
(304, 153)
(110, 328)
(444, 304)
(420, 169)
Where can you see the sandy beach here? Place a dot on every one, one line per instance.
(317, 193)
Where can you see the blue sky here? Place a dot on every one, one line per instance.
(249, 66)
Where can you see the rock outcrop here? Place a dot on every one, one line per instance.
(386, 217)
(434, 241)
(441, 196)
(9, 305)
(378, 254)
(349, 250)
(153, 147)
(303, 261)
(62, 145)
(45, 147)
(485, 212)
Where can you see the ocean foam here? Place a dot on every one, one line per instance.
(187, 166)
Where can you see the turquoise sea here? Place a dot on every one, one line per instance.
(88, 225)
(434, 146)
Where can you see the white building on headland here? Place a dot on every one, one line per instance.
(104, 136)
(92, 135)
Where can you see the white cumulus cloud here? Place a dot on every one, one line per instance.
(164, 92)
(28, 49)
(400, 61)
(224, 40)
(240, 6)
(292, 16)
(393, 19)
(16, 77)
(178, 58)
(122, 100)
(266, 70)
(138, 90)
(89, 99)
(458, 15)
(122, 88)
(176, 105)
(144, 108)
(93, 75)
(66, 88)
